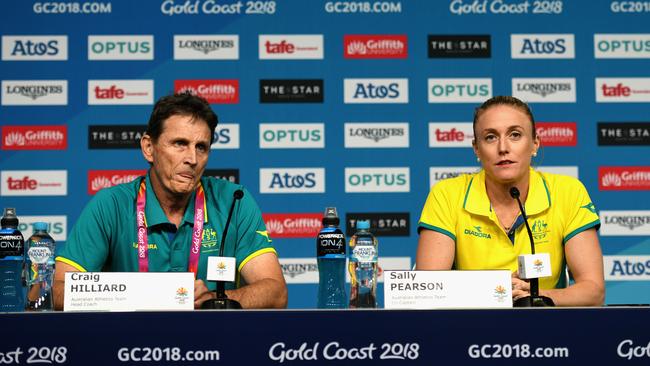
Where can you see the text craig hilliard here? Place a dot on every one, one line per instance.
(93, 287)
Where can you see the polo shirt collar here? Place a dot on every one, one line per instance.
(154, 213)
(476, 200)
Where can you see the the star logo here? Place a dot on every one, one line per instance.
(264, 234)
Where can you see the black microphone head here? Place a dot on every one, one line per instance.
(514, 192)
(238, 194)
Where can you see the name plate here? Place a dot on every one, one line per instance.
(128, 291)
(447, 289)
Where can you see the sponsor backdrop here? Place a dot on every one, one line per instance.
(362, 105)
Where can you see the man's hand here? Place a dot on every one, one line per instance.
(201, 293)
(520, 288)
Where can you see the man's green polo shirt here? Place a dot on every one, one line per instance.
(104, 236)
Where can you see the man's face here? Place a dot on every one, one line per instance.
(504, 142)
(180, 154)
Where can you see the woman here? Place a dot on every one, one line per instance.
(472, 222)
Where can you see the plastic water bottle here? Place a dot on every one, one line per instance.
(330, 247)
(40, 268)
(12, 297)
(363, 267)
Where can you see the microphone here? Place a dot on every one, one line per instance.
(534, 300)
(221, 300)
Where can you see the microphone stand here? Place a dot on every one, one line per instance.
(535, 299)
(221, 300)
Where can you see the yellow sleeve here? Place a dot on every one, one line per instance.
(438, 213)
(580, 212)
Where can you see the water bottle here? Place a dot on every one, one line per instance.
(363, 267)
(330, 247)
(40, 268)
(12, 297)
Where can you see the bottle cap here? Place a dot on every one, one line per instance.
(40, 226)
(330, 217)
(9, 218)
(363, 224)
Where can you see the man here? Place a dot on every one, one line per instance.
(109, 237)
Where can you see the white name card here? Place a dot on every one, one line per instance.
(221, 269)
(128, 291)
(447, 289)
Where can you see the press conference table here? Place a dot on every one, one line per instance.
(558, 336)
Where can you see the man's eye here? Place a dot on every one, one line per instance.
(490, 138)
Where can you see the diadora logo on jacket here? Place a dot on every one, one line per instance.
(377, 180)
(542, 46)
(120, 47)
(34, 48)
(477, 231)
(292, 180)
(376, 91)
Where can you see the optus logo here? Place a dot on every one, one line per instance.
(292, 135)
(120, 48)
(367, 180)
(292, 180)
(459, 90)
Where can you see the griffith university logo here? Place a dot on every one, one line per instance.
(633, 178)
(214, 91)
(34, 137)
(375, 46)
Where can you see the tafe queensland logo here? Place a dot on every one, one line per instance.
(450, 134)
(292, 180)
(206, 47)
(293, 225)
(34, 137)
(34, 92)
(373, 91)
(214, 91)
(100, 179)
(620, 178)
(375, 46)
(104, 92)
(622, 90)
(34, 48)
(557, 133)
(34, 182)
(544, 46)
(291, 47)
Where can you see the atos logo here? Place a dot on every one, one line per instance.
(34, 48)
(528, 46)
(376, 91)
(226, 136)
(450, 134)
(377, 180)
(626, 268)
(292, 180)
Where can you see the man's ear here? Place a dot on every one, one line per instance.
(146, 145)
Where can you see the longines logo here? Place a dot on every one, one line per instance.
(381, 223)
(34, 92)
(459, 46)
(291, 91)
(231, 175)
(378, 135)
(299, 270)
(436, 174)
(115, 136)
(206, 47)
(561, 90)
(623, 133)
(625, 223)
(34, 48)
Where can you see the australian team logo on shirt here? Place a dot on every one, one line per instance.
(540, 230)
(477, 231)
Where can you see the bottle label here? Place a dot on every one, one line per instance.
(364, 253)
(39, 255)
(331, 243)
(11, 245)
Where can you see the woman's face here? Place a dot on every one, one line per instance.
(504, 142)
